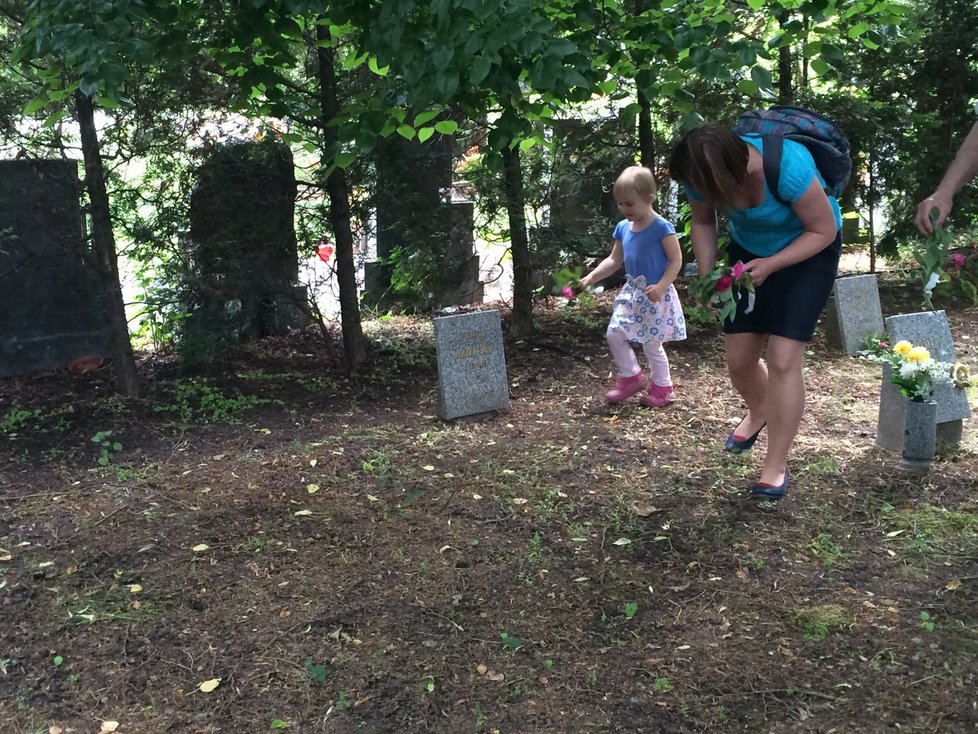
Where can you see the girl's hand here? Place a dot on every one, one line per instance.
(655, 292)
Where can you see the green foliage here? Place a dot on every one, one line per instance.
(107, 448)
(932, 255)
(197, 402)
(316, 672)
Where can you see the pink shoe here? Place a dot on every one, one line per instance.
(624, 388)
(658, 396)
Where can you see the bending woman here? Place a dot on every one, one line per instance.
(792, 253)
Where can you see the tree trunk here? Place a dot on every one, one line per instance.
(646, 150)
(522, 321)
(354, 346)
(103, 244)
(786, 92)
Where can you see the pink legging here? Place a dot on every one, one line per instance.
(624, 356)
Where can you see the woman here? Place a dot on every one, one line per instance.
(792, 253)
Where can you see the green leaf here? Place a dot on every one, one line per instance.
(858, 29)
(422, 117)
(406, 131)
(755, 4)
(446, 127)
(278, 724)
(748, 87)
(55, 117)
(372, 65)
(343, 160)
(425, 133)
(34, 106)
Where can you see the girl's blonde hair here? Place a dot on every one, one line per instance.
(637, 180)
(712, 161)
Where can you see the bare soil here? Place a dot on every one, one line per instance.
(340, 560)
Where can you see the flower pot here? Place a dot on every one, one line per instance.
(919, 434)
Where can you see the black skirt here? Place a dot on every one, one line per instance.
(788, 302)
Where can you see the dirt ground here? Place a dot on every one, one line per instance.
(334, 558)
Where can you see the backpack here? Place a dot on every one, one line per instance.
(823, 138)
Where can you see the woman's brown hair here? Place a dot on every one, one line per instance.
(712, 161)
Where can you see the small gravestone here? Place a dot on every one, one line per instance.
(471, 364)
(928, 329)
(853, 312)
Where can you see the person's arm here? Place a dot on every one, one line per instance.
(818, 219)
(962, 169)
(608, 266)
(670, 243)
(703, 236)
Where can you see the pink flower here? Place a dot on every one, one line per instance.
(724, 283)
(567, 292)
(737, 270)
(958, 260)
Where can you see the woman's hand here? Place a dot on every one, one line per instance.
(760, 268)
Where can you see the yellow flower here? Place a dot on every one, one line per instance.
(918, 354)
(902, 348)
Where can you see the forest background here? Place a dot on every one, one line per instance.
(540, 99)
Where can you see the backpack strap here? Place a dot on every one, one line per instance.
(773, 146)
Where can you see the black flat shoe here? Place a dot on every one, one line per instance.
(764, 491)
(739, 445)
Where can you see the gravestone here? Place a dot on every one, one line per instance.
(928, 329)
(471, 364)
(853, 312)
(52, 298)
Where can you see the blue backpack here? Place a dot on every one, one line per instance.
(823, 138)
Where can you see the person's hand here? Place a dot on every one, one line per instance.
(760, 268)
(655, 292)
(938, 200)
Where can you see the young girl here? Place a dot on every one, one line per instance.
(647, 310)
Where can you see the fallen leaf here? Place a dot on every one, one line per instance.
(497, 677)
(372, 498)
(313, 462)
(643, 510)
(481, 669)
(200, 548)
(207, 686)
(302, 513)
(218, 457)
(952, 585)
(622, 541)
(55, 729)
(428, 467)
(108, 726)
(312, 488)
(135, 588)
(6, 557)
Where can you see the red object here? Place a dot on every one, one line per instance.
(325, 252)
(724, 283)
(85, 364)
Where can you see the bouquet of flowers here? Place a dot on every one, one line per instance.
(913, 370)
(567, 282)
(932, 255)
(725, 285)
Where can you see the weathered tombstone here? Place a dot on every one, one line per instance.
(471, 364)
(52, 301)
(243, 246)
(853, 312)
(928, 329)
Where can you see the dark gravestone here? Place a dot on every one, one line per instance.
(471, 365)
(928, 329)
(415, 216)
(243, 244)
(52, 302)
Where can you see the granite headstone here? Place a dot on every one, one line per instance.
(853, 312)
(471, 364)
(928, 329)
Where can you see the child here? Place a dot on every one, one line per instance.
(647, 310)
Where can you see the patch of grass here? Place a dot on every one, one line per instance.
(825, 549)
(931, 533)
(816, 622)
(197, 402)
